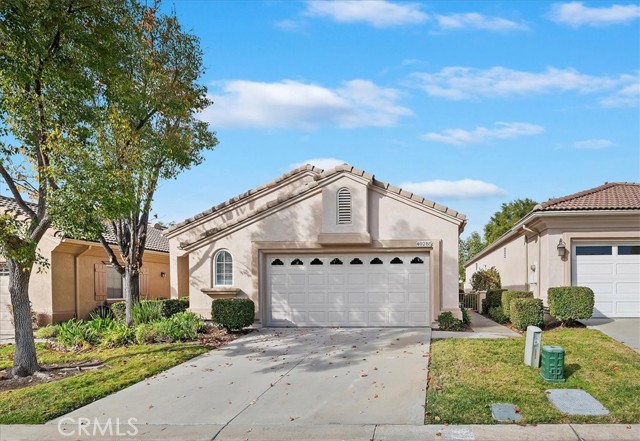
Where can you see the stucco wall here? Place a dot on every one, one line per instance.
(510, 261)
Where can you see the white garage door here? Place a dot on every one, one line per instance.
(612, 271)
(5, 319)
(349, 290)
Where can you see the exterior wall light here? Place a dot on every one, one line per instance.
(562, 248)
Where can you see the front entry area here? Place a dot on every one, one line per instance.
(356, 290)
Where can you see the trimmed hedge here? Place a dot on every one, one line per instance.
(447, 322)
(526, 312)
(493, 299)
(568, 303)
(507, 296)
(233, 314)
(466, 317)
(497, 315)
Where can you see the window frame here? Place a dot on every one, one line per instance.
(214, 269)
(112, 269)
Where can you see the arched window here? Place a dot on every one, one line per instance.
(223, 268)
(344, 206)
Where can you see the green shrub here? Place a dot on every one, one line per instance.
(146, 311)
(149, 333)
(568, 303)
(174, 306)
(497, 315)
(507, 296)
(486, 279)
(183, 326)
(526, 312)
(119, 311)
(102, 311)
(118, 334)
(447, 322)
(77, 333)
(49, 331)
(233, 314)
(493, 298)
(466, 317)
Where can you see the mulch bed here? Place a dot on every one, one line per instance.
(47, 374)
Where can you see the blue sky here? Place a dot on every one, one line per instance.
(470, 104)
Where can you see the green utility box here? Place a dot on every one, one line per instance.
(552, 366)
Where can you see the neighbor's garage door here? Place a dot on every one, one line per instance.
(612, 271)
(349, 290)
(5, 300)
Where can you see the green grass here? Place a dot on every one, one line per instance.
(471, 374)
(126, 366)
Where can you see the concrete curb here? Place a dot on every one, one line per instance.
(293, 432)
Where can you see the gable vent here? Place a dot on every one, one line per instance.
(344, 206)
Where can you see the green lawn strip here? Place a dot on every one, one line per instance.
(471, 374)
(127, 366)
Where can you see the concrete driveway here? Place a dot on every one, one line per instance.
(625, 330)
(285, 376)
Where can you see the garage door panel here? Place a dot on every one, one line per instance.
(348, 294)
(614, 278)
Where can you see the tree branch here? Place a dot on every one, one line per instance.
(16, 194)
(113, 260)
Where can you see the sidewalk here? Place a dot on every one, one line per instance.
(482, 328)
(293, 432)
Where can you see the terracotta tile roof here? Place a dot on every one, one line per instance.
(155, 239)
(313, 184)
(610, 196)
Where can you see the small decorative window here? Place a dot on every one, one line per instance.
(336, 261)
(297, 262)
(316, 261)
(376, 261)
(628, 250)
(223, 268)
(277, 262)
(396, 260)
(416, 260)
(344, 206)
(356, 261)
(595, 250)
(4, 270)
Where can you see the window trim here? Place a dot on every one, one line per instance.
(113, 268)
(214, 273)
(344, 214)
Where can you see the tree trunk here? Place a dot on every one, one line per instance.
(131, 289)
(25, 362)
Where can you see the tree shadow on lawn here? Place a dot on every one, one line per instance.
(570, 369)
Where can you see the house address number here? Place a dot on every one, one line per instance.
(424, 244)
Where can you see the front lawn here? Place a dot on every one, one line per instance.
(124, 366)
(468, 375)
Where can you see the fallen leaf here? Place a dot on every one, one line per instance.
(517, 409)
(438, 433)
(437, 418)
(436, 387)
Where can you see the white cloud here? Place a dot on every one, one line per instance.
(292, 104)
(460, 83)
(481, 135)
(628, 96)
(576, 14)
(377, 13)
(594, 144)
(462, 189)
(323, 163)
(473, 20)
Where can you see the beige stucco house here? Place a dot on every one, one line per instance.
(316, 248)
(79, 277)
(591, 238)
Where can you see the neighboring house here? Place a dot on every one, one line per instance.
(315, 248)
(79, 277)
(591, 238)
